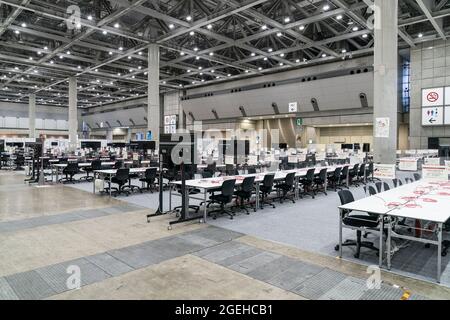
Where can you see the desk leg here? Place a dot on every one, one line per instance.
(340, 232)
(380, 250)
(205, 209)
(296, 195)
(53, 169)
(439, 257)
(93, 182)
(257, 197)
(388, 245)
(110, 187)
(170, 197)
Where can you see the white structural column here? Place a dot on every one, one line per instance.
(73, 116)
(153, 111)
(32, 116)
(386, 81)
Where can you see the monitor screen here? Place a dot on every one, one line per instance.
(54, 143)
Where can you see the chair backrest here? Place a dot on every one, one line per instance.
(386, 186)
(118, 164)
(150, 173)
(96, 165)
(289, 180)
(247, 184)
(370, 169)
(123, 174)
(372, 190)
(323, 174)
(417, 176)
(344, 171)
(355, 168)
(228, 187)
(382, 185)
(268, 180)
(310, 174)
(397, 182)
(346, 196)
(71, 167)
(337, 173)
(207, 174)
(251, 170)
(362, 169)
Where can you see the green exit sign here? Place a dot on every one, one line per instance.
(299, 122)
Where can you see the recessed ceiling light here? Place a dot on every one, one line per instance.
(110, 53)
(326, 7)
(339, 17)
(96, 70)
(89, 17)
(45, 48)
(270, 50)
(212, 71)
(298, 60)
(253, 54)
(17, 32)
(260, 68)
(287, 20)
(211, 53)
(189, 70)
(263, 27)
(324, 55)
(301, 28)
(129, 57)
(61, 57)
(420, 35)
(31, 58)
(197, 58)
(365, 35)
(79, 67)
(200, 68)
(355, 28)
(182, 53)
(188, 18)
(105, 32)
(68, 52)
(120, 48)
(279, 34)
(281, 64)
(191, 33)
(52, 62)
(171, 26)
(140, 53)
(24, 25)
(265, 59)
(344, 51)
(281, 54)
(209, 26)
(116, 25)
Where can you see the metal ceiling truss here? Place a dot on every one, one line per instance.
(202, 42)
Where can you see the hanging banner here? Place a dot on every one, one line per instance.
(382, 127)
(435, 172)
(384, 171)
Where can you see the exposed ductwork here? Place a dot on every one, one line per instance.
(215, 114)
(242, 109)
(275, 108)
(315, 105)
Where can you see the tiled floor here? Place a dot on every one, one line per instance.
(121, 256)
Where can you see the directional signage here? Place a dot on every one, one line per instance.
(293, 107)
(433, 116)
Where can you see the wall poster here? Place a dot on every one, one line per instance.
(382, 127)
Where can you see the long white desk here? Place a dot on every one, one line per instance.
(112, 172)
(421, 200)
(57, 167)
(213, 183)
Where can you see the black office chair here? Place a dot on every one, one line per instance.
(353, 174)
(133, 187)
(343, 178)
(224, 198)
(251, 170)
(287, 187)
(417, 176)
(121, 179)
(361, 175)
(245, 193)
(70, 171)
(230, 170)
(118, 164)
(382, 186)
(188, 176)
(320, 182)
(265, 189)
(335, 179)
(397, 182)
(19, 162)
(149, 178)
(359, 222)
(307, 183)
(370, 173)
(95, 165)
(409, 180)
(372, 191)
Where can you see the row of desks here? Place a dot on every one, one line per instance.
(422, 200)
(204, 185)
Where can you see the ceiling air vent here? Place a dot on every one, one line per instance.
(243, 112)
(215, 114)
(315, 104)
(275, 108)
(363, 99)
(191, 115)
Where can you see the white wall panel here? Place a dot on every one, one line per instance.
(10, 122)
(39, 123)
(62, 125)
(331, 94)
(49, 124)
(23, 123)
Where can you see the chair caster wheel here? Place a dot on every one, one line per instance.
(444, 253)
(336, 248)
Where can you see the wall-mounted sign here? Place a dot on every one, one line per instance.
(433, 97)
(293, 107)
(447, 115)
(299, 122)
(433, 116)
(434, 172)
(382, 127)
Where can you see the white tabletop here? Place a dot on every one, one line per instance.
(132, 170)
(422, 200)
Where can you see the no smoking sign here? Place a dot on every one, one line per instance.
(433, 97)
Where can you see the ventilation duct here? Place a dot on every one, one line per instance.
(191, 115)
(120, 124)
(275, 108)
(244, 114)
(215, 114)
(108, 124)
(145, 118)
(132, 122)
(315, 105)
(87, 125)
(363, 99)
(98, 125)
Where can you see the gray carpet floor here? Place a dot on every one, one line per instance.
(311, 225)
